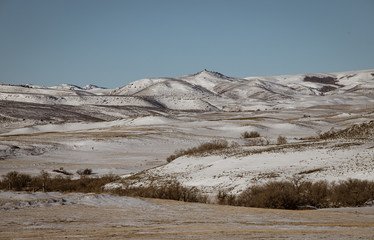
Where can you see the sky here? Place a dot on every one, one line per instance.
(111, 43)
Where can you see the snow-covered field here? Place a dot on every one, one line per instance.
(138, 143)
(234, 172)
(130, 131)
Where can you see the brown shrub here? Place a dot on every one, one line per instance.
(260, 141)
(18, 181)
(207, 147)
(315, 194)
(281, 140)
(168, 190)
(224, 198)
(15, 181)
(296, 192)
(352, 192)
(41, 182)
(252, 134)
(282, 195)
(83, 184)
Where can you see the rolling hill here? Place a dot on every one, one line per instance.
(209, 91)
(221, 92)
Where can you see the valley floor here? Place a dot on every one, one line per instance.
(104, 216)
(136, 143)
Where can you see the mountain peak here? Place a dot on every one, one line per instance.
(66, 86)
(206, 72)
(92, 86)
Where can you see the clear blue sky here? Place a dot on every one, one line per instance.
(111, 43)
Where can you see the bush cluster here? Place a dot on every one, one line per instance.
(172, 190)
(15, 181)
(44, 182)
(259, 141)
(295, 193)
(288, 194)
(207, 147)
(281, 140)
(252, 134)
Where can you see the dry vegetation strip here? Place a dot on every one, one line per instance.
(296, 193)
(44, 182)
(205, 148)
(290, 194)
(172, 190)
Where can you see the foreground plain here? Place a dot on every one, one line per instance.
(78, 216)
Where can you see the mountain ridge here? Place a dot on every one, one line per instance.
(209, 91)
(222, 91)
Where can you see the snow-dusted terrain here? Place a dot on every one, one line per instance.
(136, 127)
(209, 91)
(234, 172)
(22, 200)
(132, 130)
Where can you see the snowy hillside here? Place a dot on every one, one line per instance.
(232, 94)
(233, 168)
(326, 83)
(210, 91)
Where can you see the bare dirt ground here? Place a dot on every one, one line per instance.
(163, 219)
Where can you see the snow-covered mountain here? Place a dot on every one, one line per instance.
(326, 83)
(65, 94)
(210, 91)
(217, 91)
(65, 86)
